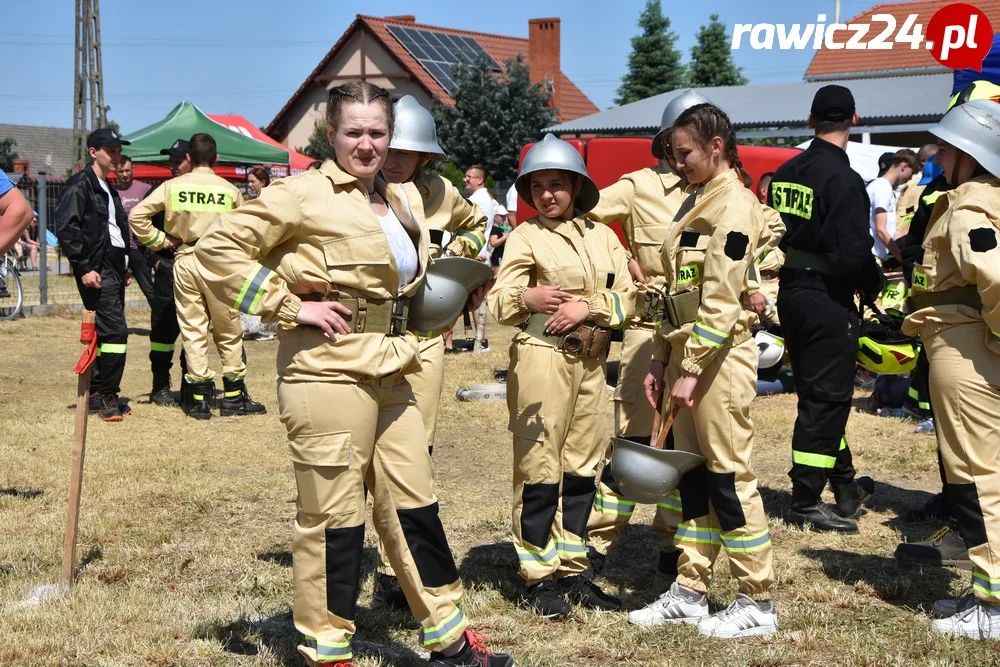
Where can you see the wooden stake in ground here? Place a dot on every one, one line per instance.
(79, 450)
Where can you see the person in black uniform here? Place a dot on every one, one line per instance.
(93, 233)
(829, 257)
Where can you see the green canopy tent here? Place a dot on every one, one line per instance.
(187, 119)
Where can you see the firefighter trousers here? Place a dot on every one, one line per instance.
(196, 307)
(373, 438)
(558, 418)
(142, 272)
(821, 337)
(721, 506)
(965, 391)
(426, 384)
(633, 420)
(108, 302)
(163, 327)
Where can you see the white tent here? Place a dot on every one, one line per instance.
(863, 157)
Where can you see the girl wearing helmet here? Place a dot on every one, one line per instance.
(706, 360)
(955, 308)
(565, 283)
(440, 207)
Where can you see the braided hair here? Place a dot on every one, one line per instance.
(361, 92)
(706, 121)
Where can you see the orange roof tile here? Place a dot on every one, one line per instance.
(840, 62)
(573, 102)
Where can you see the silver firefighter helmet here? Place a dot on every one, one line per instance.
(554, 153)
(648, 475)
(974, 127)
(671, 113)
(414, 129)
(444, 291)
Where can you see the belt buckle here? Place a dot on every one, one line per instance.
(397, 325)
(573, 343)
(361, 320)
(654, 302)
(670, 313)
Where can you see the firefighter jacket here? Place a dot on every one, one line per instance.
(190, 203)
(768, 258)
(711, 248)
(441, 208)
(909, 200)
(582, 257)
(826, 212)
(911, 244)
(82, 221)
(961, 248)
(314, 233)
(644, 202)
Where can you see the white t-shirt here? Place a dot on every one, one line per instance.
(511, 199)
(113, 231)
(401, 247)
(482, 199)
(883, 197)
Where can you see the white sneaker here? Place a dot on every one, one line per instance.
(978, 621)
(743, 618)
(951, 606)
(677, 605)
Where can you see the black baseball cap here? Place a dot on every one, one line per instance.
(105, 137)
(179, 149)
(885, 161)
(834, 103)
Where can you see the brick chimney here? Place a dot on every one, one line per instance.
(543, 54)
(21, 165)
(405, 18)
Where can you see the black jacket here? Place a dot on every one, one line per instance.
(82, 221)
(911, 245)
(825, 207)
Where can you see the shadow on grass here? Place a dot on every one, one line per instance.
(905, 585)
(632, 567)
(25, 494)
(136, 331)
(777, 502)
(494, 566)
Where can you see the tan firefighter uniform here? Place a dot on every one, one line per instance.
(909, 199)
(440, 207)
(710, 249)
(190, 204)
(956, 311)
(763, 275)
(644, 202)
(557, 399)
(350, 413)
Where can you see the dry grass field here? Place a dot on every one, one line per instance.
(186, 531)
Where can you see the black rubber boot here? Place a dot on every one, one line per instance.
(199, 396)
(580, 590)
(236, 400)
(850, 497)
(161, 393)
(822, 518)
(388, 593)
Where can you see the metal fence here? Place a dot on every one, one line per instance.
(50, 281)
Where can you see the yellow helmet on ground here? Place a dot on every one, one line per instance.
(977, 90)
(885, 350)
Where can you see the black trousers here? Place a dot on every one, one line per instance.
(142, 272)
(821, 332)
(112, 331)
(163, 327)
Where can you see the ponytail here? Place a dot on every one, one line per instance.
(707, 121)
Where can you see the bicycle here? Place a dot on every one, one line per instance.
(11, 291)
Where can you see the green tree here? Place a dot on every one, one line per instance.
(493, 117)
(7, 154)
(654, 66)
(712, 61)
(319, 146)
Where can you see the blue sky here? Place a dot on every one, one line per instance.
(248, 57)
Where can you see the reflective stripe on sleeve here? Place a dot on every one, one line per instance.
(708, 335)
(617, 314)
(476, 240)
(253, 290)
(156, 239)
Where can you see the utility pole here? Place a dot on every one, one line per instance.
(89, 111)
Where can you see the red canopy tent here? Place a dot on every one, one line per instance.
(297, 161)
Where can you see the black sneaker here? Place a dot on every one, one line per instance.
(475, 654)
(822, 518)
(110, 412)
(547, 600)
(597, 560)
(388, 593)
(850, 497)
(580, 590)
(945, 547)
(668, 562)
(936, 509)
